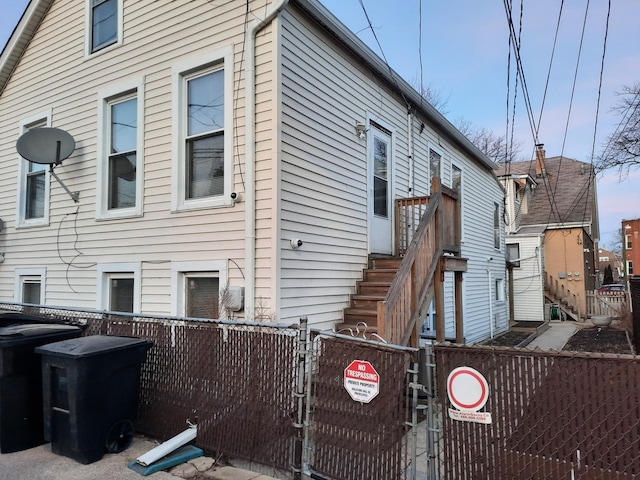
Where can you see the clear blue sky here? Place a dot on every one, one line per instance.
(463, 52)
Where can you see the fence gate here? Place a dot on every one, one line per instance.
(359, 409)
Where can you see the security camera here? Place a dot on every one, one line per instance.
(489, 259)
(296, 243)
(236, 197)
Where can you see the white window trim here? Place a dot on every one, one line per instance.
(21, 203)
(102, 285)
(88, 31)
(134, 87)
(178, 270)
(224, 58)
(21, 274)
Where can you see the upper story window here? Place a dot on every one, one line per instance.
(120, 162)
(122, 154)
(104, 24)
(628, 242)
(202, 160)
(33, 183)
(204, 142)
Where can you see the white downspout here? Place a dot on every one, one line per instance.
(250, 152)
(490, 302)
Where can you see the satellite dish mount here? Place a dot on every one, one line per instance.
(48, 146)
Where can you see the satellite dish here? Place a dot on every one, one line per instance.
(47, 146)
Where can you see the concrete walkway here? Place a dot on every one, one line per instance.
(555, 337)
(40, 463)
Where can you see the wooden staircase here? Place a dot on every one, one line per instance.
(361, 317)
(392, 299)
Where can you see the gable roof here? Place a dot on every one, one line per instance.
(37, 9)
(565, 196)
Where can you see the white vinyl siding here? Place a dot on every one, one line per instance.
(528, 279)
(323, 184)
(54, 73)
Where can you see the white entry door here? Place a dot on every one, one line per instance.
(380, 159)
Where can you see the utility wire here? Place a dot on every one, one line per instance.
(384, 57)
(595, 126)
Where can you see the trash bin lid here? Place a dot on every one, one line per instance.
(30, 332)
(92, 345)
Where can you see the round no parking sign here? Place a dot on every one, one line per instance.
(468, 392)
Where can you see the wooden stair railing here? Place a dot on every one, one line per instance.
(408, 295)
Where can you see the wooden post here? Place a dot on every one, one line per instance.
(438, 280)
(459, 312)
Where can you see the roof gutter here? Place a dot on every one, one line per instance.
(250, 150)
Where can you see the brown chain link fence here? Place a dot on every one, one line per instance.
(235, 381)
(555, 415)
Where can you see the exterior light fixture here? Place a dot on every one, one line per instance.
(361, 131)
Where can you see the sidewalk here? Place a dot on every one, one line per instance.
(40, 463)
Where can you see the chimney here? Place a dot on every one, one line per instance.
(541, 170)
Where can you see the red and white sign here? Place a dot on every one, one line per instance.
(468, 391)
(362, 381)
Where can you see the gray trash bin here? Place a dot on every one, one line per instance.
(91, 387)
(21, 422)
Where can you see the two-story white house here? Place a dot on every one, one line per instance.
(256, 148)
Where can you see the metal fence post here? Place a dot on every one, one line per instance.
(296, 466)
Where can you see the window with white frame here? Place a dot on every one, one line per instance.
(435, 164)
(203, 173)
(197, 287)
(499, 290)
(496, 226)
(120, 141)
(119, 287)
(104, 24)
(33, 186)
(29, 286)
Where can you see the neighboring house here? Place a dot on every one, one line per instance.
(252, 148)
(552, 231)
(607, 258)
(631, 247)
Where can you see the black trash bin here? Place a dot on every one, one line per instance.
(21, 421)
(17, 318)
(91, 387)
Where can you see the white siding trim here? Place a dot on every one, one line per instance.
(135, 87)
(21, 273)
(102, 285)
(223, 57)
(21, 201)
(178, 269)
